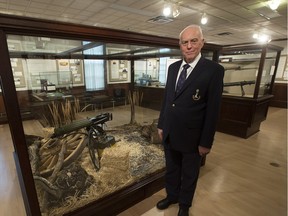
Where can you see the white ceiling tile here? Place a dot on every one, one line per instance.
(17, 2)
(110, 1)
(52, 13)
(32, 10)
(81, 4)
(237, 16)
(55, 8)
(65, 3)
(87, 13)
(125, 2)
(72, 11)
(97, 6)
(41, 1)
(16, 7)
(3, 5)
(38, 5)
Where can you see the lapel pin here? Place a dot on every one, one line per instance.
(196, 96)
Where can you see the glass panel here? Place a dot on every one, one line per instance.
(163, 70)
(241, 68)
(94, 69)
(79, 153)
(140, 72)
(41, 45)
(207, 54)
(152, 72)
(268, 71)
(147, 72)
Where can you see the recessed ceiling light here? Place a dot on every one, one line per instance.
(274, 4)
(167, 10)
(204, 19)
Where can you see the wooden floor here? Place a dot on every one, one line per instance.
(242, 177)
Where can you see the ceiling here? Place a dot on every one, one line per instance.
(230, 21)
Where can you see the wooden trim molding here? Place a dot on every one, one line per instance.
(38, 27)
(17, 133)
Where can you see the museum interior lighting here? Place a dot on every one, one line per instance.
(274, 4)
(171, 10)
(167, 10)
(262, 38)
(204, 19)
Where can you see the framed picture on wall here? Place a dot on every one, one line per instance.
(119, 71)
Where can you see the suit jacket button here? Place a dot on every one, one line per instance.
(173, 105)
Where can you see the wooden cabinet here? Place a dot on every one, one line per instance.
(248, 83)
(152, 97)
(242, 117)
(279, 92)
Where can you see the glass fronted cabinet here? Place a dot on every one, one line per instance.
(70, 160)
(249, 77)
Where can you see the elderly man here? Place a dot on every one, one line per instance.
(188, 118)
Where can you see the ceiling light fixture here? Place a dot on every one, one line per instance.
(204, 19)
(167, 10)
(171, 10)
(262, 38)
(274, 4)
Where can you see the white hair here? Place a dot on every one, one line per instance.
(193, 27)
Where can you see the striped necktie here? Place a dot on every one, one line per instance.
(182, 77)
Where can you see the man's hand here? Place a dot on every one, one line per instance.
(202, 150)
(160, 133)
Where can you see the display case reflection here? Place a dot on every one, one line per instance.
(241, 72)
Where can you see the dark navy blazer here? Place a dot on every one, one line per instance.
(189, 118)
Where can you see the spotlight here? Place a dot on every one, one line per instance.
(262, 38)
(204, 19)
(167, 11)
(274, 4)
(255, 35)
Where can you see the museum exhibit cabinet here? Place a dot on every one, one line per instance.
(249, 78)
(65, 165)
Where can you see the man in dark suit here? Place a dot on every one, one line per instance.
(188, 118)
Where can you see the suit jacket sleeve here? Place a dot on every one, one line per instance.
(213, 107)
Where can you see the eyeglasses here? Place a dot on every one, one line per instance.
(192, 42)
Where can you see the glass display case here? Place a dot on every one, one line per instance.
(72, 160)
(242, 68)
(249, 77)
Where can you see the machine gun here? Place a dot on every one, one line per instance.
(97, 138)
(83, 123)
(241, 84)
